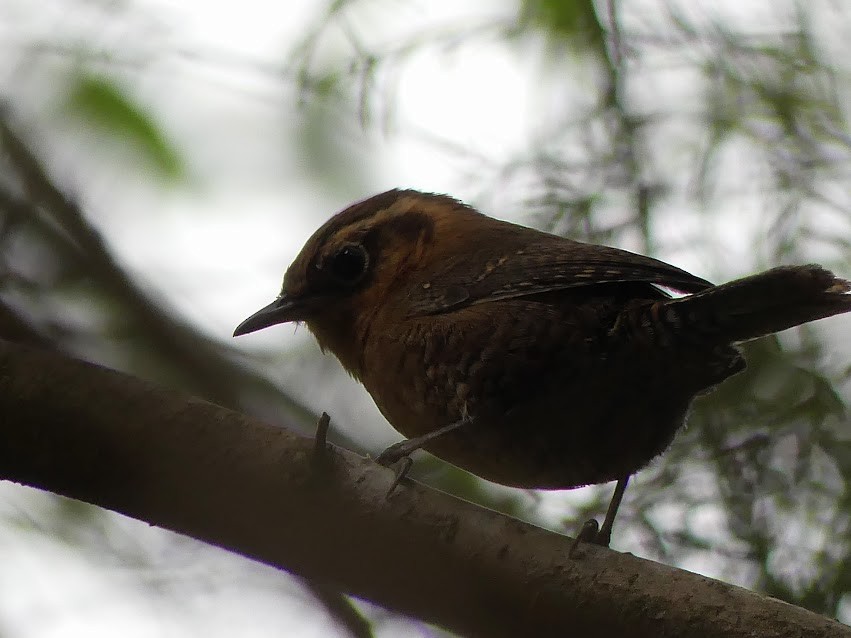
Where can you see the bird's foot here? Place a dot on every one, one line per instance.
(398, 454)
(590, 532)
(398, 451)
(401, 451)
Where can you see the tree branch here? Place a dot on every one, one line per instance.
(184, 464)
(59, 219)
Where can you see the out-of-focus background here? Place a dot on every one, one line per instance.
(163, 161)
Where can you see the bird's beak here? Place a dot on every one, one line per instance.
(282, 310)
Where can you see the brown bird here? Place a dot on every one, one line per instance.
(522, 357)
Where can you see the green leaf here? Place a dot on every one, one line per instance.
(101, 103)
(573, 21)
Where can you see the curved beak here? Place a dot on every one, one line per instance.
(282, 310)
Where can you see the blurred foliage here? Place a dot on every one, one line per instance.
(671, 114)
(573, 23)
(104, 106)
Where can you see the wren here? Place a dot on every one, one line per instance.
(526, 358)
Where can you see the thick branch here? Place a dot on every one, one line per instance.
(181, 463)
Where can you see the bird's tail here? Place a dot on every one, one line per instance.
(763, 304)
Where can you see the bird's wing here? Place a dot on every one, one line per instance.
(547, 265)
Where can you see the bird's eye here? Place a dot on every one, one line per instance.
(349, 263)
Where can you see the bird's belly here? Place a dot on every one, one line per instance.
(563, 439)
(546, 449)
(554, 401)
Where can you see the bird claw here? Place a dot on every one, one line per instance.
(402, 451)
(591, 531)
(588, 533)
(401, 472)
(397, 453)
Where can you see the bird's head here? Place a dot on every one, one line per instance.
(353, 264)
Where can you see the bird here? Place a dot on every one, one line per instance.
(523, 357)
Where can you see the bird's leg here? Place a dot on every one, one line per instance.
(402, 450)
(591, 531)
(604, 536)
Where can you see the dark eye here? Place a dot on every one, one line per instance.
(349, 263)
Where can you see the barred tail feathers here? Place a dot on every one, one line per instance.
(763, 304)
